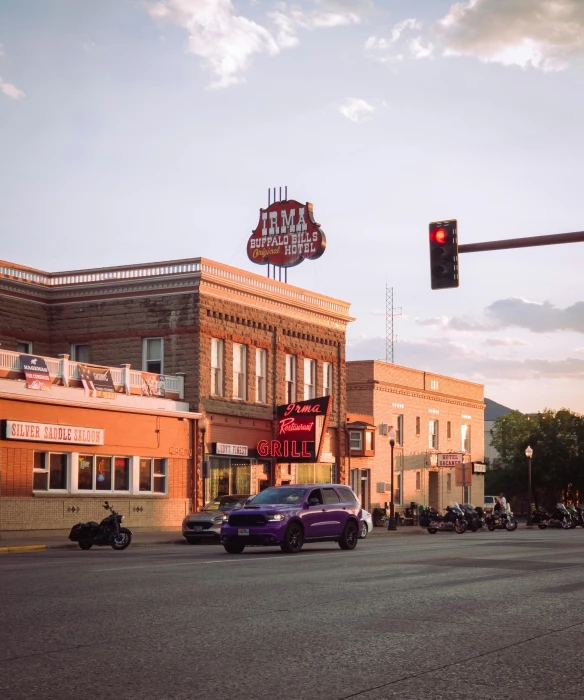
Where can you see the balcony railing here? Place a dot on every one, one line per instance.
(66, 372)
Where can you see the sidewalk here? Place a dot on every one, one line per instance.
(23, 542)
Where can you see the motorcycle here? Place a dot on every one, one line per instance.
(501, 520)
(452, 520)
(575, 516)
(107, 532)
(473, 516)
(559, 518)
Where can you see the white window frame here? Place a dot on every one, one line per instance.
(291, 374)
(356, 440)
(433, 435)
(94, 490)
(74, 352)
(146, 359)
(47, 471)
(261, 375)
(28, 344)
(240, 371)
(217, 365)
(465, 438)
(398, 422)
(327, 378)
(153, 475)
(310, 374)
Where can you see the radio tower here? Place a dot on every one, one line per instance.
(390, 312)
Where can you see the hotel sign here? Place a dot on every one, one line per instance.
(286, 235)
(301, 430)
(449, 459)
(49, 432)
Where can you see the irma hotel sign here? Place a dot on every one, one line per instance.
(286, 235)
(301, 430)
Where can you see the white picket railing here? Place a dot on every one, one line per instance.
(62, 368)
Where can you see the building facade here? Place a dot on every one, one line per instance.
(432, 416)
(241, 344)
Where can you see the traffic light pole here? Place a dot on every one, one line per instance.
(553, 239)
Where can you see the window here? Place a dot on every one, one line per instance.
(290, 378)
(433, 434)
(465, 438)
(398, 422)
(217, 355)
(418, 481)
(261, 375)
(49, 471)
(418, 425)
(356, 439)
(327, 379)
(434, 384)
(152, 355)
(80, 352)
(239, 371)
(330, 497)
(397, 490)
(347, 495)
(368, 441)
(309, 379)
(448, 483)
(448, 430)
(152, 475)
(24, 347)
(103, 473)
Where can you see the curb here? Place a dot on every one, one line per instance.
(23, 548)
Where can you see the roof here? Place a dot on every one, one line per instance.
(494, 410)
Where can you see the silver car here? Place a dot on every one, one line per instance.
(205, 525)
(367, 524)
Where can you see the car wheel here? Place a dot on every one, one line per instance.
(364, 531)
(432, 530)
(191, 541)
(350, 536)
(293, 539)
(234, 547)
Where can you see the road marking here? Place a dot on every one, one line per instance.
(23, 548)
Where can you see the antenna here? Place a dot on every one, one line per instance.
(390, 312)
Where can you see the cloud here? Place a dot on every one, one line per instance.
(506, 342)
(458, 360)
(355, 109)
(514, 312)
(394, 48)
(544, 34)
(10, 90)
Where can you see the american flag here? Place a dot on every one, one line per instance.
(86, 376)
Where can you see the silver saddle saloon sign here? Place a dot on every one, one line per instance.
(301, 430)
(286, 235)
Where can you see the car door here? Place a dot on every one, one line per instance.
(335, 512)
(314, 516)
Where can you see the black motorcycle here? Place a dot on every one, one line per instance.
(452, 520)
(474, 516)
(559, 518)
(107, 532)
(501, 520)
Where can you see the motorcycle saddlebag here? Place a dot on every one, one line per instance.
(81, 531)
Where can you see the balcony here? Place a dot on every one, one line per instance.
(64, 372)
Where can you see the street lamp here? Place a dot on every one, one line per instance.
(391, 522)
(203, 425)
(529, 455)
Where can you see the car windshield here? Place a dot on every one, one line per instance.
(280, 496)
(225, 503)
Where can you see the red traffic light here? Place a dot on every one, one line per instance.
(438, 235)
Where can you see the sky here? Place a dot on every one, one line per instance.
(134, 131)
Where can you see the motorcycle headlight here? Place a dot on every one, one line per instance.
(122, 519)
(275, 517)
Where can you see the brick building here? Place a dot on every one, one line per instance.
(240, 343)
(431, 414)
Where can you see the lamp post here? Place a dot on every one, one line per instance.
(529, 455)
(203, 425)
(391, 522)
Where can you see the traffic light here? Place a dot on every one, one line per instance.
(444, 254)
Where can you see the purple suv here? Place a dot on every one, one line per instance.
(289, 516)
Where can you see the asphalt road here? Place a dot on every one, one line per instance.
(486, 615)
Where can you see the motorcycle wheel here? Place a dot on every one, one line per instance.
(460, 528)
(491, 527)
(541, 526)
(474, 527)
(432, 530)
(86, 544)
(122, 540)
(511, 525)
(573, 524)
(566, 525)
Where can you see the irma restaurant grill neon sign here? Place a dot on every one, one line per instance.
(301, 430)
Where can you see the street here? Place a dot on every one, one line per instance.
(403, 616)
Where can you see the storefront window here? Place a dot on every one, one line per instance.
(159, 474)
(50, 471)
(314, 474)
(121, 474)
(103, 479)
(145, 475)
(85, 473)
(230, 477)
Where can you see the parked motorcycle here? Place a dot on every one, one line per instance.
(107, 532)
(453, 519)
(559, 518)
(501, 520)
(473, 516)
(575, 516)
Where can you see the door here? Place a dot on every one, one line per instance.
(364, 492)
(336, 513)
(433, 492)
(314, 517)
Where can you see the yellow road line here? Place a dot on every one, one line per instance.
(23, 548)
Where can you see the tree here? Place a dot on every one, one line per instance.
(557, 439)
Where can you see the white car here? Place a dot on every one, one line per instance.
(367, 525)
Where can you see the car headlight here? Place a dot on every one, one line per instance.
(218, 518)
(225, 519)
(275, 517)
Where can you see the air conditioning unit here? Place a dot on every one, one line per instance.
(383, 486)
(383, 428)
